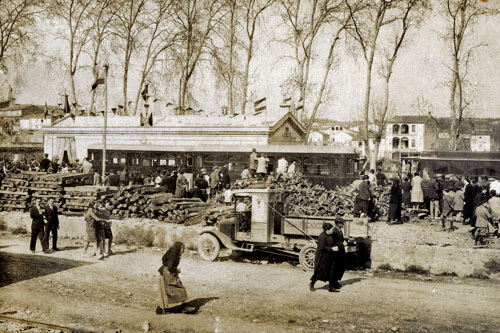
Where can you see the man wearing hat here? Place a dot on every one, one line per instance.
(338, 268)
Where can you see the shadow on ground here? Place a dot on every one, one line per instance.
(17, 267)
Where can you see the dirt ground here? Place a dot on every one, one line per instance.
(234, 294)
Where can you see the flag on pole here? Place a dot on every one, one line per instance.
(92, 112)
(97, 82)
(144, 92)
(46, 111)
(286, 103)
(259, 105)
(300, 105)
(150, 119)
(113, 110)
(120, 110)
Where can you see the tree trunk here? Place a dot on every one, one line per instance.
(453, 106)
(231, 69)
(245, 78)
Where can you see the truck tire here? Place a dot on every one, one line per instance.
(306, 257)
(208, 247)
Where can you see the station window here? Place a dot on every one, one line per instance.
(238, 163)
(413, 128)
(133, 159)
(413, 143)
(171, 160)
(404, 143)
(189, 160)
(404, 129)
(199, 162)
(335, 166)
(350, 166)
(118, 159)
(316, 166)
(211, 161)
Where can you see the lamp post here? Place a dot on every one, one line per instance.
(105, 121)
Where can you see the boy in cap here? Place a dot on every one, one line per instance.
(483, 219)
(448, 206)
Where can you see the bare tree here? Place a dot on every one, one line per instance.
(366, 28)
(253, 10)
(102, 15)
(305, 19)
(194, 23)
(75, 14)
(159, 39)
(462, 16)
(127, 28)
(408, 13)
(17, 19)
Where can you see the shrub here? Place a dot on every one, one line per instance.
(417, 270)
(385, 267)
(479, 274)
(3, 225)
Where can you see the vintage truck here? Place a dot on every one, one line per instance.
(266, 227)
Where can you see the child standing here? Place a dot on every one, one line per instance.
(228, 196)
(448, 207)
(494, 203)
(483, 218)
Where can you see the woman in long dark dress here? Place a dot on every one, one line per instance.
(406, 187)
(172, 292)
(323, 260)
(395, 201)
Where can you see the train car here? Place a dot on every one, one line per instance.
(458, 163)
(327, 165)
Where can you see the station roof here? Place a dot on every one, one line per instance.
(175, 121)
(232, 148)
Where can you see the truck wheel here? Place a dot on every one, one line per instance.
(208, 247)
(306, 257)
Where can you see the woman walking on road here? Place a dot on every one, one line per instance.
(323, 261)
(172, 292)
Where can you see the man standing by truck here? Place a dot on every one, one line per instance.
(338, 267)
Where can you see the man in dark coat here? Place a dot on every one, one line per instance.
(45, 163)
(37, 226)
(52, 217)
(324, 257)
(470, 193)
(338, 267)
(365, 196)
(395, 202)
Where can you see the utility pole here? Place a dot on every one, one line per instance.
(105, 121)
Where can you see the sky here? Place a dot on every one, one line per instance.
(420, 73)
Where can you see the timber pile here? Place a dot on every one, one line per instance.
(304, 198)
(54, 185)
(14, 192)
(152, 202)
(219, 214)
(78, 198)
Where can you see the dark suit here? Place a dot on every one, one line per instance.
(338, 268)
(37, 228)
(52, 217)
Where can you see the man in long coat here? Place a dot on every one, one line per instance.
(338, 267)
(324, 257)
(52, 217)
(37, 226)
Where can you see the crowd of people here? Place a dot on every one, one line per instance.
(451, 199)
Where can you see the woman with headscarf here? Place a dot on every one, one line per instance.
(395, 201)
(172, 292)
(323, 261)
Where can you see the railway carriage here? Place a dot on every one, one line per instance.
(327, 165)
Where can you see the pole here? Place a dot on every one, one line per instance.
(105, 121)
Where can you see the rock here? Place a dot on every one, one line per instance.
(325, 321)
(146, 326)
(292, 321)
(255, 321)
(395, 329)
(264, 262)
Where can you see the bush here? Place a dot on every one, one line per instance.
(3, 225)
(385, 267)
(492, 266)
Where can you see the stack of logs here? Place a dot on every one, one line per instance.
(304, 198)
(14, 193)
(219, 214)
(153, 202)
(78, 198)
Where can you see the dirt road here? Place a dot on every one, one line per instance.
(120, 293)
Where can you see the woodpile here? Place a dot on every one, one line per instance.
(78, 198)
(219, 214)
(152, 202)
(304, 198)
(14, 193)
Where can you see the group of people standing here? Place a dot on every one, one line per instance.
(98, 228)
(45, 221)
